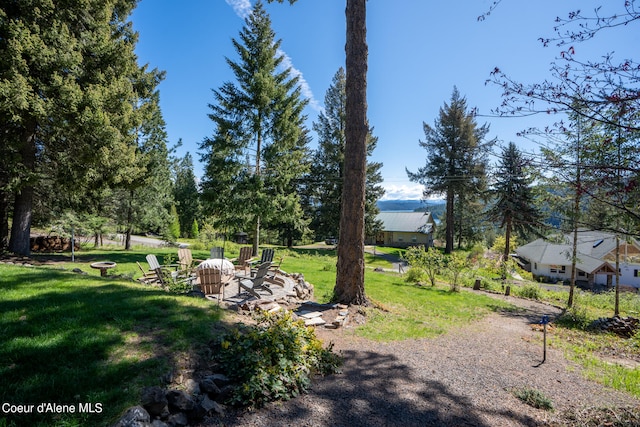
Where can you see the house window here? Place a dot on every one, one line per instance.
(635, 273)
(581, 273)
(553, 269)
(563, 269)
(414, 239)
(535, 265)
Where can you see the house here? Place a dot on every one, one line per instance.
(595, 263)
(403, 229)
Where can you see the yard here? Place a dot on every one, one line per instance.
(83, 340)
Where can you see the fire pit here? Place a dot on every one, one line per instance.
(103, 266)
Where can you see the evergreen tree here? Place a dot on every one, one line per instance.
(185, 193)
(513, 206)
(327, 167)
(456, 160)
(256, 149)
(67, 75)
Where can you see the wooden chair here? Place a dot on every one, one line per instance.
(266, 256)
(242, 262)
(158, 269)
(210, 282)
(256, 283)
(163, 273)
(185, 259)
(148, 277)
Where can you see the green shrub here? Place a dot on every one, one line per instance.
(415, 275)
(534, 398)
(528, 291)
(273, 360)
(575, 317)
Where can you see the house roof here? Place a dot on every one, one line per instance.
(411, 222)
(592, 247)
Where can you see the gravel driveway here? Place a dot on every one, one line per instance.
(463, 378)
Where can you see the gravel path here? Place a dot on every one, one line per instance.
(463, 378)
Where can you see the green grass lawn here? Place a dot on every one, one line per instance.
(72, 339)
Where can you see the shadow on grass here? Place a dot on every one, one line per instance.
(380, 390)
(72, 340)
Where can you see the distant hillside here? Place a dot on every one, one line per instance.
(436, 207)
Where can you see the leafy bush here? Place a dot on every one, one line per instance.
(534, 398)
(415, 275)
(528, 291)
(575, 317)
(273, 360)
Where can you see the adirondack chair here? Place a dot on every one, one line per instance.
(241, 263)
(163, 273)
(210, 282)
(256, 283)
(217, 252)
(266, 256)
(148, 277)
(185, 259)
(158, 269)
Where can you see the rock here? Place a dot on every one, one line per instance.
(225, 393)
(154, 400)
(221, 380)
(179, 401)
(135, 416)
(178, 420)
(209, 386)
(309, 314)
(316, 321)
(212, 407)
(192, 386)
(159, 423)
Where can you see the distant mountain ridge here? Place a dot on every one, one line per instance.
(408, 205)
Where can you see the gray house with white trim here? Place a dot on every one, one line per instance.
(595, 263)
(403, 229)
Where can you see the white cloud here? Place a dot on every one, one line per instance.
(243, 9)
(304, 86)
(402, 192)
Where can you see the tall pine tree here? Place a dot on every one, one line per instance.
(67, 73)
(513, 206)
(185, 192)
(256, 148)
(456, 163)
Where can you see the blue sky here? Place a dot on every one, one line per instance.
(418, 51)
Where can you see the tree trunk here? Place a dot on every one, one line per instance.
(507, 244)
(256, 236)
(22, 209)
(349, 287)
(21, 228)
(127, 239)
(4, 220)
(450, 219)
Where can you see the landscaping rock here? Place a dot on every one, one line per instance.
(212, 407)
(178, 420)
(221, 380)
(625, 327)
(135, 416)
(179, 401)
(209, 386)
(154, 400)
